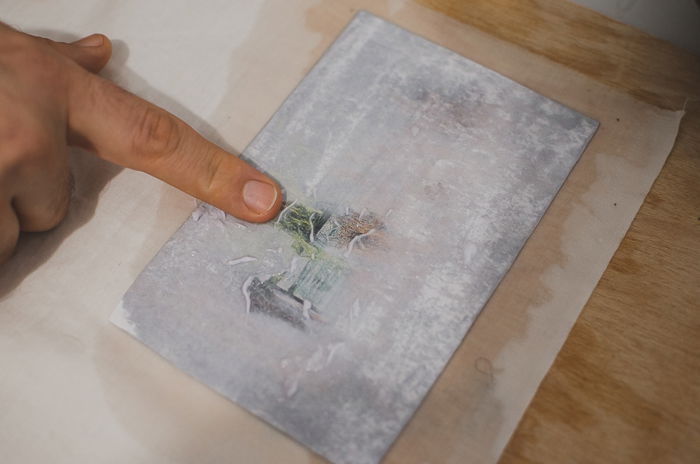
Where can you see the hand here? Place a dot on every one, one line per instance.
(50, 98)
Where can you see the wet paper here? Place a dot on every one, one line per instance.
(413, 177)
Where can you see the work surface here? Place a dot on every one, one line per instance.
(624, 386)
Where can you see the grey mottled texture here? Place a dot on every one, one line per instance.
(458, 162)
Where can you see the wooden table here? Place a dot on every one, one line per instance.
(626, 385)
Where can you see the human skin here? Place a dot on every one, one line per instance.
(51, 98)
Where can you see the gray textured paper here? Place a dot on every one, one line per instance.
(413, 177)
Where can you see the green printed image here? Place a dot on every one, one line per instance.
(323, 241)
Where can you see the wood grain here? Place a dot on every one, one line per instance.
(626, 385)
(611, 52)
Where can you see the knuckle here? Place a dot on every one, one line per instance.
(156, 134)
(212, 169)
(63, 200)
(47, 214)
(56, 208)
(47, 220)
(54, 216)
(57, 211)
(9, 235)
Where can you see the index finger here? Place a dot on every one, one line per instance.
(127, 130)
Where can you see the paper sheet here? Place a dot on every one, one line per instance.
(413, 178)
(75, 388)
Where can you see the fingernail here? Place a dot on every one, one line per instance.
(94, 40)
(259, 196)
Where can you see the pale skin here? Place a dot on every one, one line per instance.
(51, 98)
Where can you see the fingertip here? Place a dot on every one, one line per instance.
(101, 49)
(263, 198)
(92, 52)
(90, 41)
(106, 46)
(106, 51)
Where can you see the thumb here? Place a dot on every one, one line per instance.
(131, 132)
